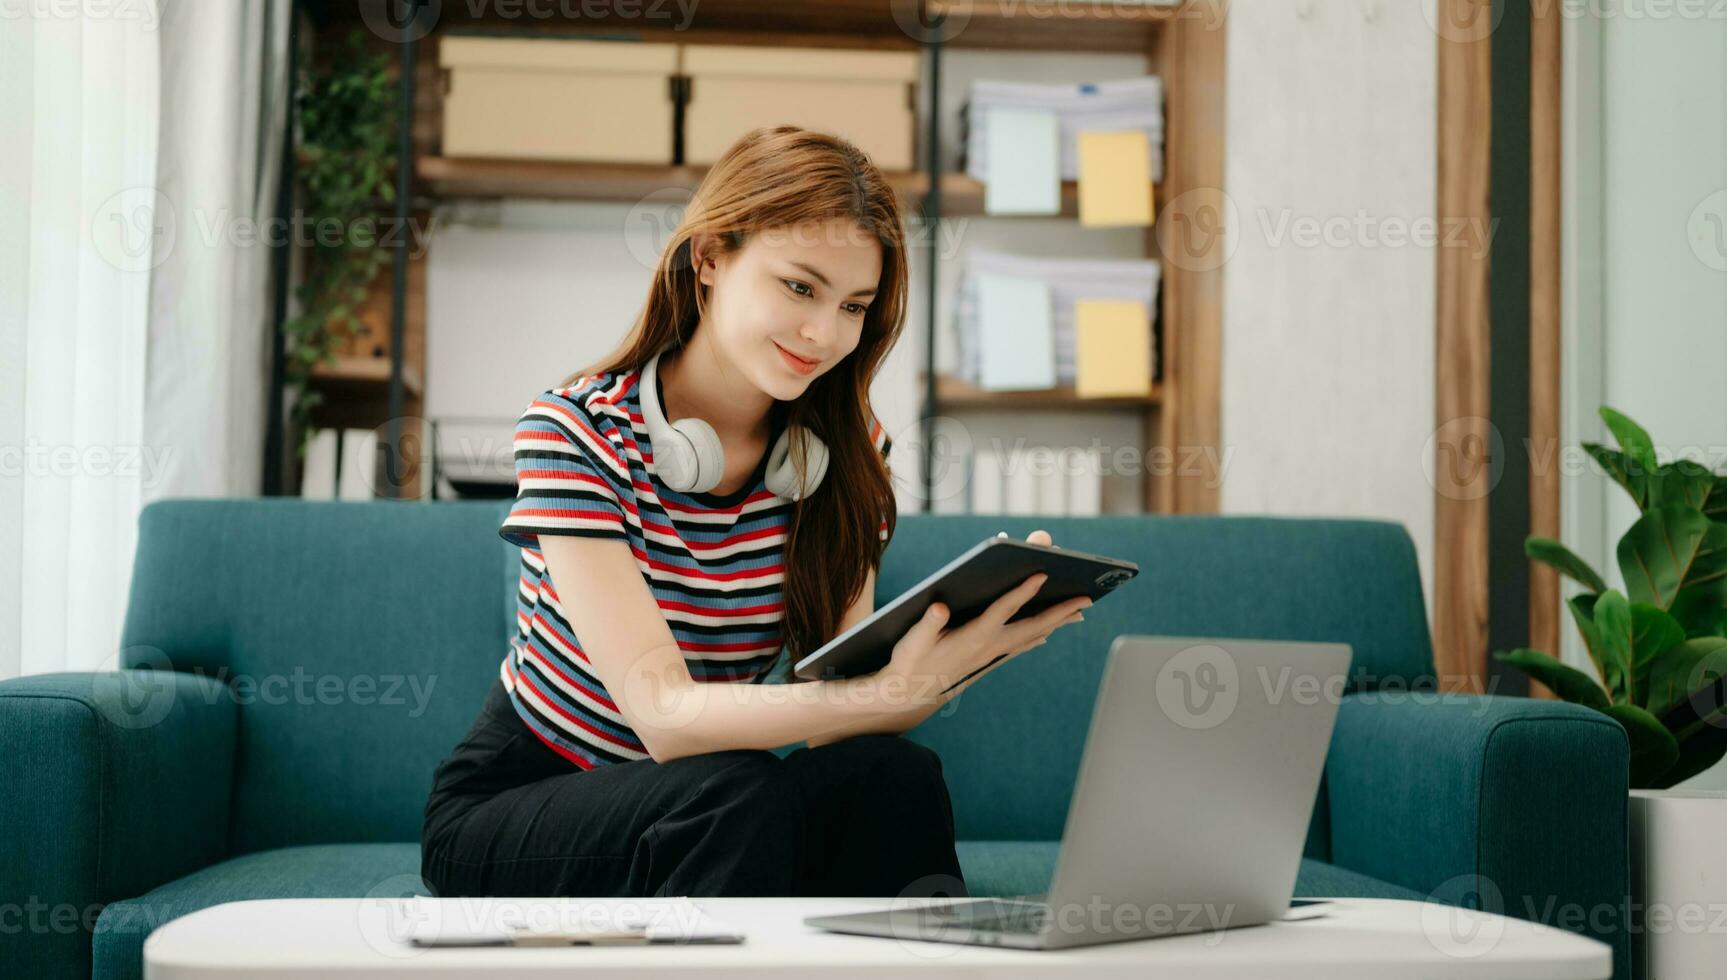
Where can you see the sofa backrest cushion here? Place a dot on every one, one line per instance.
(359, 639)
(1011, 745)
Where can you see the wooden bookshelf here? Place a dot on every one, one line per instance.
(364, 371)
(962, 197)
(1183, 42)
(952, 392)
(482, 177)
(1052, 26)
(1026, 25)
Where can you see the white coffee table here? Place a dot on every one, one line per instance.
(1369, 939)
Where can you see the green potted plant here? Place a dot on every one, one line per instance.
(1659, 649)
(1661, 640)
(347, 138)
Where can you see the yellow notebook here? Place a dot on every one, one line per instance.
(1114, 178)
(1112, 348)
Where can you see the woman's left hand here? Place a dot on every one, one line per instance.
(1029, 641)
(905, 721)
(1036, 537)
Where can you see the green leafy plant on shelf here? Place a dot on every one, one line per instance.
(1658, 647)
(347, 113)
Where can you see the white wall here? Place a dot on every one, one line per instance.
(518, 306)
(1328, 349)
(520, 295)
(1663, 206)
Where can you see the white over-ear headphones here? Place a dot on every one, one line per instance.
(688, 456)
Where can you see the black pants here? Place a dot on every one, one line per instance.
(867, 815)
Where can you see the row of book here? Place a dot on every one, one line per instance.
(1030, 480)
(341, 464)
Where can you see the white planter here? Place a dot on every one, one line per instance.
(1678, 884)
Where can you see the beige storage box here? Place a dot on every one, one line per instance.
(557, 99)
(864, 96)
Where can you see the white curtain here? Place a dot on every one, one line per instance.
(78, 99)
(224, 88)
(140, 156)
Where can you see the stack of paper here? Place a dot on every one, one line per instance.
(1014, 336)
(557, 921)
(1130, 103)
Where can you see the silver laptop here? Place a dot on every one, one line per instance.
(1190, 813)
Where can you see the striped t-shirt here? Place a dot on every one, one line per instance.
(714, 562)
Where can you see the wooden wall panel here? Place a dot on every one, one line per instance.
(1461, 477)
(1192, 56)
(1546, 229)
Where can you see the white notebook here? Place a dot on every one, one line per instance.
(1025, 161)
(559, 922)
(1017, 339)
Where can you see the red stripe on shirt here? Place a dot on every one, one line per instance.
(580, 722)
(572, 681)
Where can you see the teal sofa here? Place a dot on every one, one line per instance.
(295, 670)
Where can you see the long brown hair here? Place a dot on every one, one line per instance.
(775, 178)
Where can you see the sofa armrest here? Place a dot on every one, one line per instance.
(110, 784)
(1512, 804)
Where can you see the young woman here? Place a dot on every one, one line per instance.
(714, 491)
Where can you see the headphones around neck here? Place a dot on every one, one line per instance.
(688, 456)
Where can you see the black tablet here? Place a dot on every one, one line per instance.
(967, 585)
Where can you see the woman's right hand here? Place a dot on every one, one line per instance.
(929, 659)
